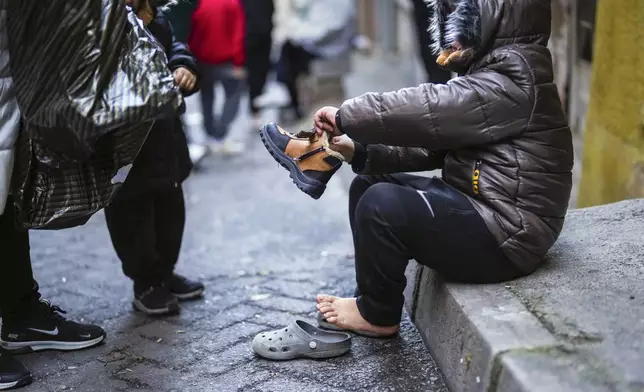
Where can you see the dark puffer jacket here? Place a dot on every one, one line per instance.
(498, 131)
(164, 160)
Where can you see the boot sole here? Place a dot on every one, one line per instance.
(189, 296)
(33, 346)
(170, 309)
(26, 380)
(311, 187)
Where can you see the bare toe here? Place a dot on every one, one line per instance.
(326, 298)
(325, 308)
(328, 314)
(332, 319)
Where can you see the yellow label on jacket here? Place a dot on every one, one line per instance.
(476, 175)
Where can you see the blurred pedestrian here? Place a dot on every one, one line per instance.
(259, 30)
(423, 15)
(315, 29)
(146, 219)
(217, 40)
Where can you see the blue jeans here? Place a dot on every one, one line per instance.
(217, 128)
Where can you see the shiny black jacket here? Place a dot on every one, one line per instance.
(164, 160)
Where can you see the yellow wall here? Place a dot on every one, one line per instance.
(613, 159)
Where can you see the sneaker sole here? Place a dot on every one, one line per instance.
(29, 347)
(138, 305)
(311, 187)
(191, 295)
(26, 380)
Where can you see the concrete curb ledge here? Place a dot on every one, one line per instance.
(565, 328)
(471, 329)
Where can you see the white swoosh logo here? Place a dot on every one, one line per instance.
(53, 332)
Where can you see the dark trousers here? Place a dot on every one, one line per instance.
(294, 62)
(422, 19)
(218, 128)
(258, 65)
(396, 218)
(17, 285)
(147, 232)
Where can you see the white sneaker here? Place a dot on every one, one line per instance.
(197, 153)
(275, 95)
(226, 147)
(232, 147)
(215, 146)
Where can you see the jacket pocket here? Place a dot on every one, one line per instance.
(476, 178)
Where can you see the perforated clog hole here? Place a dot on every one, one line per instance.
(285, 349)
(272, 349)
(280, 338)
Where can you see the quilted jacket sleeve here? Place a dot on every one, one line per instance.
(177, 52)
(466, 112)
(381, 159)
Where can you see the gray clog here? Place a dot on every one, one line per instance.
(301, 340)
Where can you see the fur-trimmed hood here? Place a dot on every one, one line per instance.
(165, 5)
(161, 5)
(484, 25)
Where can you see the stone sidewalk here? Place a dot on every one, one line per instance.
(264, 249)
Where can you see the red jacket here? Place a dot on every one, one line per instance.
(217, 33)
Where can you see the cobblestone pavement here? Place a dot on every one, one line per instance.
(264, 249)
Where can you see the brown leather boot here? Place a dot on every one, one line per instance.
(306, 155)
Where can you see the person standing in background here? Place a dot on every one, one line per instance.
(217, 39)
(259, 30)
(313, 30)
(422, 20)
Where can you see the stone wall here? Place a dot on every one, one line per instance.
(613, 160)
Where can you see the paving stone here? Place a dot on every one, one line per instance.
(241, 378)
(292, 305)
(221, 362)
(279, 384)
(217, 341)
(277, 319)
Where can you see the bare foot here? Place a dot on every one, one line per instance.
(344, 313)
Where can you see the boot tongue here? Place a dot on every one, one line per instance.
(311, 135)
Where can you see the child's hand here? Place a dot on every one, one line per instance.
(345, 146)
(184, 78)
(324, 121)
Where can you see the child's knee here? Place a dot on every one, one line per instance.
(379, 204)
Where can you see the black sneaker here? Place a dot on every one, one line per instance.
(185, 289)
(44, 328)
(13, 374)
(155, 301)
(305, 155)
